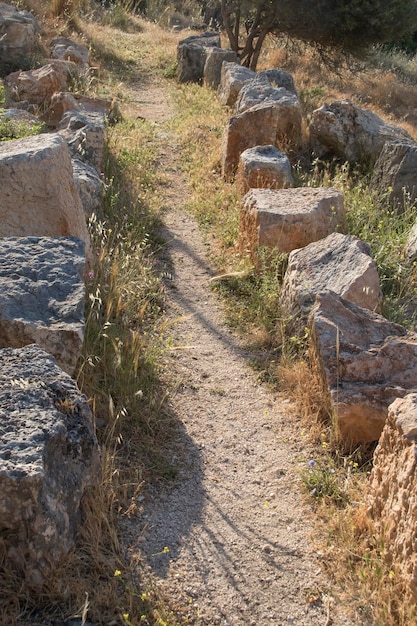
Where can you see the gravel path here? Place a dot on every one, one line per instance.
(233, 521)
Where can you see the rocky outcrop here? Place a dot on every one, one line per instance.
(351, 133)
(395, 172)
(287, 219)
(363, 362)
(84, 132)
(392, 492)
(37, 191)
(215, 57)
(264, 166)
(18, 32)
(90, 187)
(42, 296)
(191, 56)
(232, 78)
(339, 263)
(38, 86)
(49, 457)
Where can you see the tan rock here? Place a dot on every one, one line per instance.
(38, 86)
(287, 219)
(232, 78)
(37, 191)
(215, 57)
(264, 167)
(18, 32)
(392, 491)
(363, 361)
(339, 263)
(60, 103)
(69, 50)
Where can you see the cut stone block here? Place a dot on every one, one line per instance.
(260, 90)
(392, 492)
(232, 78)
(37, 191)
(42, 296)
(287, 219)
(90, 187)
(18, 32)
(395, 172)
(339, 263)
(85, 134)
(191, 56)
(264, 167)
(215, 57)
(363, 362)
(49, 457)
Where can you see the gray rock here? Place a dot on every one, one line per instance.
(287, 219)
(215, 57)
(18, 32)
(259, 91)
(339, 263)
(279, 78)
(395, 172)
(90, 187)
(84, 132)
(42, 296)
(363, 362)
(264, 166)
(232, 78)
(49, 457)
(411, 245)
(191, 56)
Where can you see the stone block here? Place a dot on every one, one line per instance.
(38, 86)
(42, 296)
(18, 32)
(69, 50)
(232, 78)
(85, 133)
(264, 167)
(287, 219)
(260, 90)
(363, 362)
(395, 172)
(215, 57)
(191, 56)
(90, 187)
(49, 457)
(38, 196)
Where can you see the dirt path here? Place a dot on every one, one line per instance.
(236, 529)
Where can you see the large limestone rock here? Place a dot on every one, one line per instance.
(260, 90)
(37, 191)
(90, 187)
(287, 219)
(363, 361)
(264, 166)
(339, 263)
(392, 492)
(42, 296)
(84, 132)
(38, 86)
(69, 50)
(232, 78)
(215, 57)
(18, 32)
(351, 133)
(269, 123)
(61, 102)
(49, 457)
(395, 172)
(191, 56)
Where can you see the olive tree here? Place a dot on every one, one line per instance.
(350, 25)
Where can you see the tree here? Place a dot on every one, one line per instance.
(348, 25)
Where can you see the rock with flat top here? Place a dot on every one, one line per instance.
(392, 492)
(85, 133)
(264, 167)
(260, 90)
(42, 296)
(38, 196)
(232, 78)
(18, 33)
(49, 459)
(339, 263)
(287, 219)
(215, 57)
(192, 54)
(363, 363)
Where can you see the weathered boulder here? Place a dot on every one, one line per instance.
(90, 187)
(269, 123)
(18, 118)
(232, 78)
(68, 50)
(84, 132)
(61, 102)
(339, 263)
(279, 78)
(191, 56)
(49, 457)
(392, 492)
(351, 133)
(264, 166)
(259, 90)
(215, 57)
(395, 172)
(42, 296)
(363, 362)
(38, 86)
(411, 245)
(37, 191)
(287, 219)
(18, 32)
